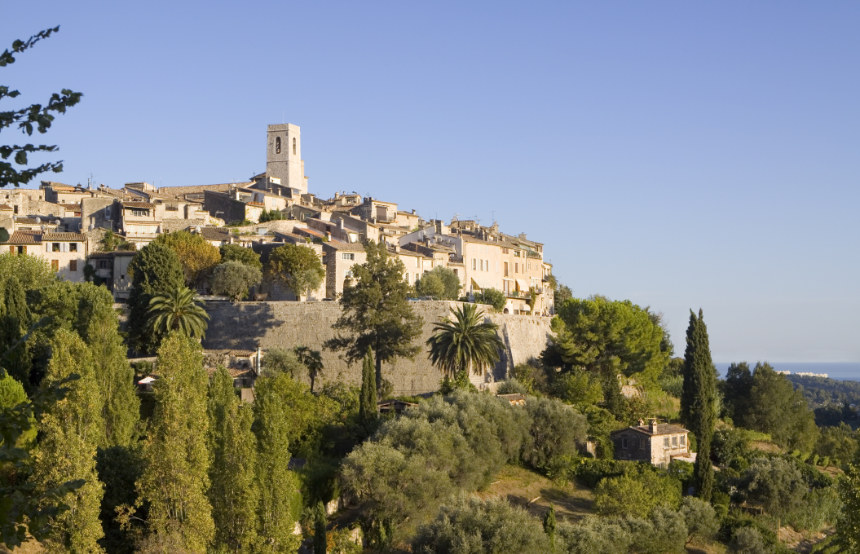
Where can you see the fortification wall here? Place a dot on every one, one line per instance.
(247, 325)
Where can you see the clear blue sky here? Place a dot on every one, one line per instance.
(677, 154)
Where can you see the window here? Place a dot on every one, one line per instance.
(665, 442)
(516, 268)
(55, 247)
(22, 249)
(73, 265)
(139, 213)
(474, 264)
(73, 247)
(683, 440)
(294, 146)
(506, 269)
(347, 256)
(277, 145)
(674, 441)
(104, 264)
(55, 265)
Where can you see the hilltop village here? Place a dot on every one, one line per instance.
(66, 226)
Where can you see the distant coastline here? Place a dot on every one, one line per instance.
(841, 371)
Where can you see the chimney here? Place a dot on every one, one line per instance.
(653, 425)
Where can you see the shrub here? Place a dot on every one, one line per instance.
(475, 526)
(556, 430)
(637, 494)
(233, 279)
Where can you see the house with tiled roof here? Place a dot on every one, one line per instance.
(66, 253)
(655, 443)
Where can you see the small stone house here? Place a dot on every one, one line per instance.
(656, 443)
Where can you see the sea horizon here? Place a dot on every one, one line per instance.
(841, 371)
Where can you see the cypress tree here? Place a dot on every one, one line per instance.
(698, 400)
(15, 317)
(367, 401)
(233, 493)
(155, 270)
(121, 407)
(176, 474)
(69, 431)
(320, 542)
(280, 497)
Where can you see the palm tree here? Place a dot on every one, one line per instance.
(177, 310)
(464, 344)
(312, 360)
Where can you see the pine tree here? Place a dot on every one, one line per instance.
(69, 431)
(367, 401)
(698, 400)
(320, 540)
(377, 312)
(280, 497)
(233, 493)
(176, 474)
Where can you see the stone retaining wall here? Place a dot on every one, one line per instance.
(247, 325)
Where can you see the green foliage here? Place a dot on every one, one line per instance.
(700, 518)
(556, 430)
(699, 400)
(176, 457)
(69, 432)
(121, 411)
(320, 543)
(15, 319)
(839, 444)
(271, 215)
(465, 344)
(111, 242)
(233, 493)
(38, 117)
(663, 532)
(415, 462)
(440, 283)
(280, 497)
(237, 253)
(577, 387)
(197, 256)
(312, 360)
(637, 494)
(493, 297)
(376, 312)
(176, 310)
(469, 525)
(155, 270)
(766, 401)
(276, 361)
(119, 468)
(233, 279)
(297, 267)
(848, 525)
(367, 412)
(4, 234)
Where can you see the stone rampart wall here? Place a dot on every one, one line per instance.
(247, 325)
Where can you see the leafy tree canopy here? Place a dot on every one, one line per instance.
(598, 333)
(376, 312)
(235, 252)
(36, 117)
(233, 279)
(466, 343)
(154, 270)
(298, 267)
(440, 283)
(196, 255)
(493, 297)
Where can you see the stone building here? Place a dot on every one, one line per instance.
(655, 443)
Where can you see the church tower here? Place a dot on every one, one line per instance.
(284, 163)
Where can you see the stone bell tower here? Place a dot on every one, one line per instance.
(284, 163)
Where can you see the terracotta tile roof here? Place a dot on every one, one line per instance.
(344, 246)
(661, 429)
(6, 207)
(74, 237)
(258, 204)
(25, 237)
(70, 206)
(136, 204)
